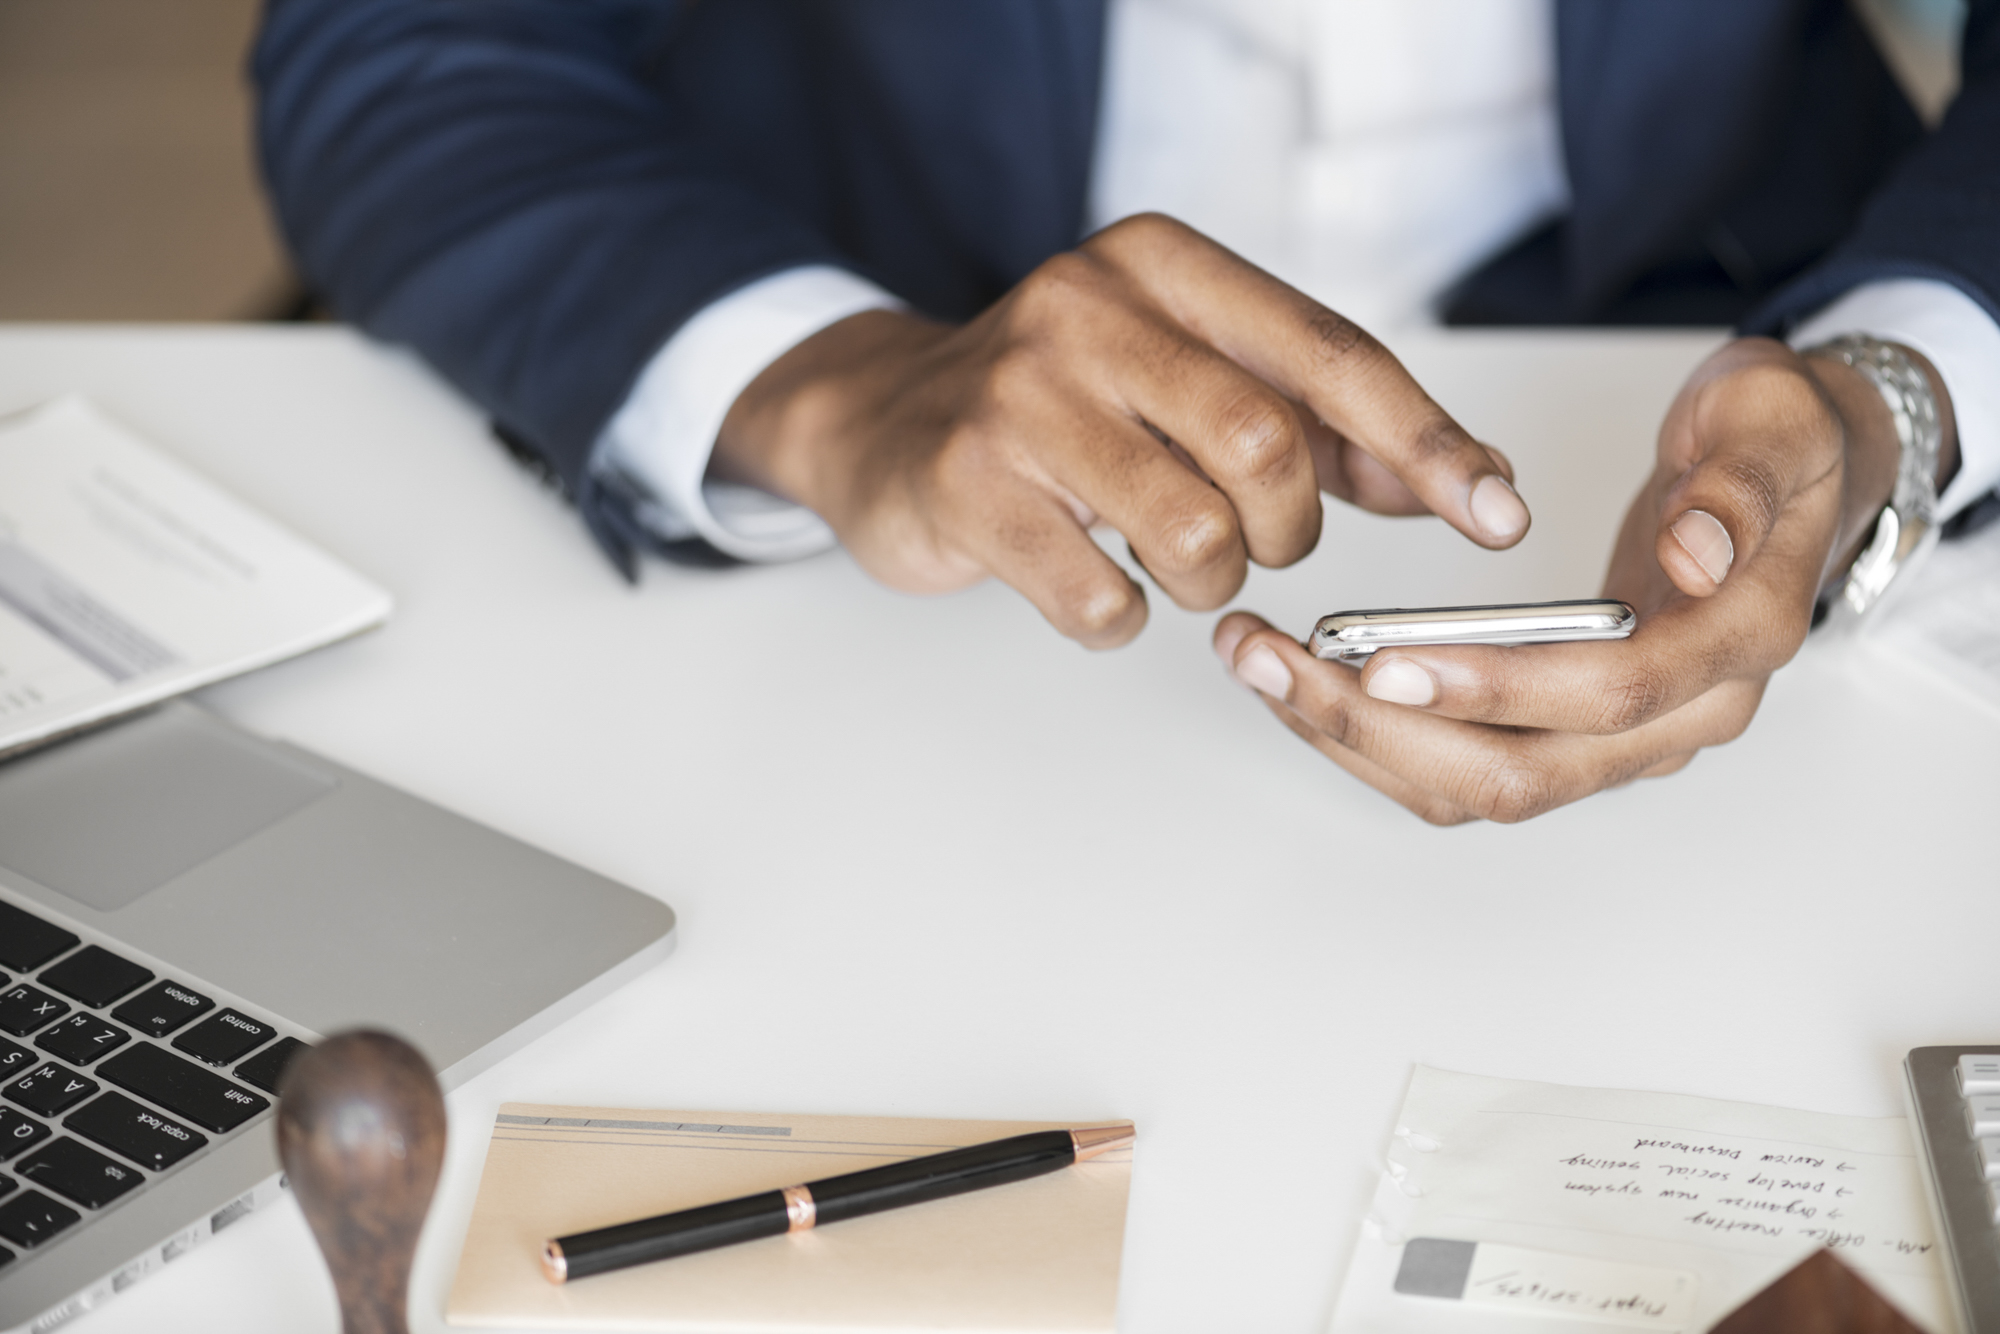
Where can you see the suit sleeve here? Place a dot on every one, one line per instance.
(497, 184)
(1935, 216)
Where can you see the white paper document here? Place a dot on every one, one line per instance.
(1525, 1208)
(126, 579)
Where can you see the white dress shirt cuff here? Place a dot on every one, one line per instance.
(660, 440)
(1959, 338)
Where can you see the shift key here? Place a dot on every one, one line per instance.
(182, 1087)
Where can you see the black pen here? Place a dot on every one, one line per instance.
(850, 1195)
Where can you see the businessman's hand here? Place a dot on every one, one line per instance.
(1150, 380)
(1770, 471)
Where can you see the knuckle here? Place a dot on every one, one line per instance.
(1016, 378)
(1628, 770)
(1055, 289)
(1337, 723)
(1098, 608)
(1765, 381)
(1631, 698)
(963, 462)
(1514, 789)
(1734, 725)
(1739, 712)
(1337, 339)
(1756, 494)
(1438, 437)
(1779, 388)
(1667, 767)
(1442, 814)
(1262, 436)
(1140, 231)
(1198, 539)
(1324, 720)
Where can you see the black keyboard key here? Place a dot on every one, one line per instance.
(267, 1067)
(32, 1218)
(162, 1008)
(26, 941)
(6, 1256)
(7, 1185)
(95, 976)
(50, 1089)
(23, 1009)
(146, 1137)
(79, 1174)
(82, 1038)
(15, 1060)
(225, 1037)
(18, 1132)
(182, 1087)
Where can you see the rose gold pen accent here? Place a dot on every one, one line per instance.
(554, 1267)
(1093, 1140)
(799, 1208)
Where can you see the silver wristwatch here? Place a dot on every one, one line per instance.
(1908, 527)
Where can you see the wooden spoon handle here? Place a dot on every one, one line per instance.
(361, 1133)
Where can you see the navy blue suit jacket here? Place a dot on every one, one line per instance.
(536, 193)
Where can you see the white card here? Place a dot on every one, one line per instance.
(1730, 1195)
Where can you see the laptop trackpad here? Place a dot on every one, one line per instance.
(107, 817)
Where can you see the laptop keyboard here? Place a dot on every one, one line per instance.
(109, 1076)
(1951, 1091)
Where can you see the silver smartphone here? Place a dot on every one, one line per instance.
(1354, 636)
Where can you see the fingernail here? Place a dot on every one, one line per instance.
(1497, 508)
(1225, 645)
(1400, 681)
(1262, 670)
(1702, 536)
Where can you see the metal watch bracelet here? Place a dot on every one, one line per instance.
(1908, 526)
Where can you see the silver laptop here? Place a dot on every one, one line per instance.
(183, 906)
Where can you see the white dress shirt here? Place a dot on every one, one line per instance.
(1366, 153)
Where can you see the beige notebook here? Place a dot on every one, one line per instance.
(1038, 1255)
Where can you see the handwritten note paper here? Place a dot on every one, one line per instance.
(1732, 1193)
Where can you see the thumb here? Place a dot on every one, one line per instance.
(1760, 437)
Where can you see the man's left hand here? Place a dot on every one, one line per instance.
(1770, 470)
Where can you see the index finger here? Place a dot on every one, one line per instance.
(1333, 366)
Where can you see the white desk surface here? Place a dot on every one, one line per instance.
(931, 859)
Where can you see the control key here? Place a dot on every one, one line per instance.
(225, 1037)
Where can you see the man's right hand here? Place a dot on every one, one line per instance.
(1149, 379)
